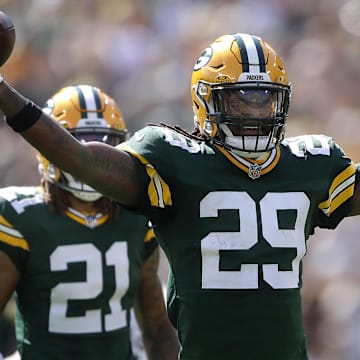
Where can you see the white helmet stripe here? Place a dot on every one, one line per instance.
(89, 100)
(252, 53)
(252, 57)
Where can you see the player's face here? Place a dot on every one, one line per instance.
(249, 104)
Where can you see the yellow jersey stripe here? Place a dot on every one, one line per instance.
(233, 160)
(5, 222)
(13, 241)
(272, 164)
(341, 189)
(149, 235)
(128, 149)
(266, 164)
(345, 174)
(82, 219)
(158, 190)
(345, 195)
(10, 236)
(6, 227)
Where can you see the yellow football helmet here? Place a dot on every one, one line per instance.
(88, 114)
(241, 94)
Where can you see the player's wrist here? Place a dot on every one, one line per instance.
(20, 112)
(25, 118)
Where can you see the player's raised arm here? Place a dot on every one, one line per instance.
(106, 169)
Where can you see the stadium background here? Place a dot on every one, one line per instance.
(142, 53)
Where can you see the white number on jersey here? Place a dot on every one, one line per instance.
(181, 141)
(247, 277)
(313, 144)
(11, 194)
(91, 321)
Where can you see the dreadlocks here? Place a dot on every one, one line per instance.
(195, 133)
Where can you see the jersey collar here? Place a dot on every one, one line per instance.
(254, 168)
(89, 220)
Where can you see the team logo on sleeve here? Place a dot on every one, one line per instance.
(203, 59)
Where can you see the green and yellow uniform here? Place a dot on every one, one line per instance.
(234, 232)
(79, 277)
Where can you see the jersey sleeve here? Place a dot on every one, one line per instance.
(12, 242)
(153, 156)
(343, 174)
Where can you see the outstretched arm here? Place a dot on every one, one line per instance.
(108, 170)
(159, 336)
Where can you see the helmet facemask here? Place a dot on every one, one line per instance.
(250, 117)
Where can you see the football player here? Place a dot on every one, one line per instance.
(77, 261)
(232, 204)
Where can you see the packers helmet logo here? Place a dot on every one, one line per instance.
(203, 59)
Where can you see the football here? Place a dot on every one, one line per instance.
(7, 37)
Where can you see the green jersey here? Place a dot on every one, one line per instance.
(79, 277)
(234, 232)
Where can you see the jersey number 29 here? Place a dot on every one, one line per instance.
(247, 277)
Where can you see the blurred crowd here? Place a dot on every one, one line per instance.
(142, 52)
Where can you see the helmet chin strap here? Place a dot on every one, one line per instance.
(251, 155)
(236, 143)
